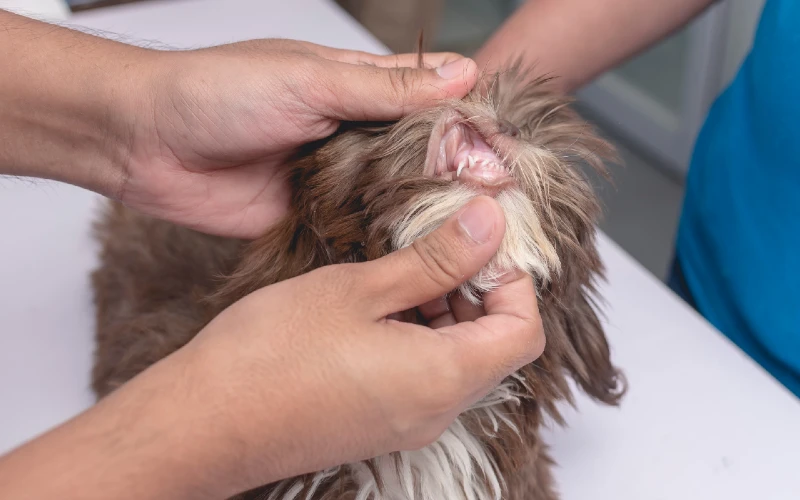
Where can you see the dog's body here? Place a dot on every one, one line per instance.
(358, 196)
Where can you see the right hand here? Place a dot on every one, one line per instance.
(310, 373)
(299, 376)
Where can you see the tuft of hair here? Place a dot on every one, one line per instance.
(525, 245)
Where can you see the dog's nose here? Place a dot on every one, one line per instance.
(508, 128)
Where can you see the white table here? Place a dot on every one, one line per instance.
(701, 421)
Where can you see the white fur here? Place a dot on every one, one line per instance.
(455, 467)
(524, 246)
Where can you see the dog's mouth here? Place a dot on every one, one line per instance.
(458, 151)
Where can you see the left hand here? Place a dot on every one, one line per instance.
(217, 125)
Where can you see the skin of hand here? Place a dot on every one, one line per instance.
(577, 40)
(299, 376)
(227, 119)
(198, 137)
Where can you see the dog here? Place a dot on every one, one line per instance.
(366, 191)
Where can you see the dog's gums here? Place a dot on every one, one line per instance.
(459, 152)
(365, 192)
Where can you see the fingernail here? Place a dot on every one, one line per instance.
(453, 69)
(478, 220)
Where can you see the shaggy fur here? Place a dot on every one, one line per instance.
(359, 195)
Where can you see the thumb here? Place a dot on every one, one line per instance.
(436, 264)
(365, 92)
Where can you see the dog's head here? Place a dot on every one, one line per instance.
(372, 189)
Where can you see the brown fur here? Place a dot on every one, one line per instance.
(158, 284)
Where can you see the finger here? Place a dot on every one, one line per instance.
(409, 60)
(434, 308)
(507, 338)
(445, 312)
(449, 311)
(429, 60)
(464, 310)
(362, 92)
(437, 313)
(442, 321)
(437, 263)
(512, 312)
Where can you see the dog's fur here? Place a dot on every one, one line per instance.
(359, 196)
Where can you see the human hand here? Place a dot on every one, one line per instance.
(198, 137)
(299, 376)
(220, 123)
(310, 373)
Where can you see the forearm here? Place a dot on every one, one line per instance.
(66, 103)
(177, 431)
(577, 40)
(152, 438)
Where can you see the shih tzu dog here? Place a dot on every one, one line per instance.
(359, 195)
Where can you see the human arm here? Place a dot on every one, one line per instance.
(197, 137)
(297, 377)
(577, 40)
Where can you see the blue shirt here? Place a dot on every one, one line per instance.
(739, 236)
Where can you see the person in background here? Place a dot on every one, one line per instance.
(737, 256)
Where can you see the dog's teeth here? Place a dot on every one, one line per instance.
(461, 165)
(471, 161)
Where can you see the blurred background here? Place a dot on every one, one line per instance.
(651, 108)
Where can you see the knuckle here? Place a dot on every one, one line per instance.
(310, 72)
(404, 83)
(338, 281)
(439, 261)
(451, 56)
(302, 71)
(417, 435)
(425, 437)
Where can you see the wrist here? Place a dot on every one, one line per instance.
(69, 103)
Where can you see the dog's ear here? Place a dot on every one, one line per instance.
(589, 358)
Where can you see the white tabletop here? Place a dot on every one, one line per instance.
(701, 421)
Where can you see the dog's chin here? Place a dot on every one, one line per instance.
(524, 247)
